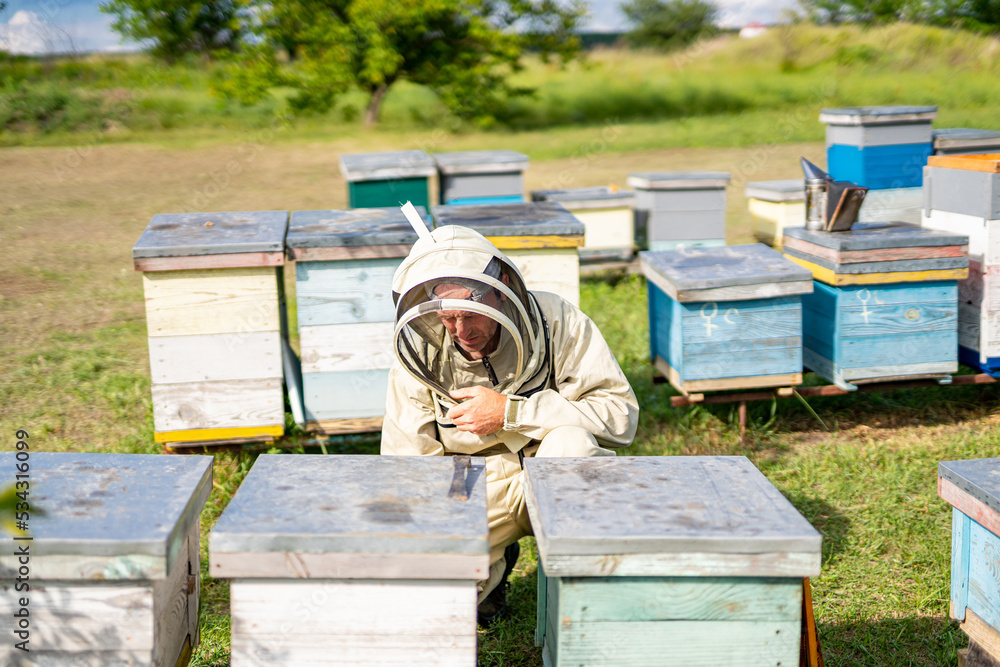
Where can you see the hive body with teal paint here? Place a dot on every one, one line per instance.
(344, 262)
(725, 318)
(376, 180)
(691, 561)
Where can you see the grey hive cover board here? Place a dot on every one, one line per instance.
(929, 264)
(188, 234)
(678, 180)
(874, 115)
(792, 189)
(384, 166)
(661, 504)
(113, 504)
(980, 478)
(528, 219)
(352, 228)
(603, 195)
(704, 268)
(965, 137)
(354, 504)
(478, 162)
(877, 235)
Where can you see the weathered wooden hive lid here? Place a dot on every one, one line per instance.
(661, 505)
(109, 516)
(679, 180)
(686, 273)
(382, 507)
(352, 228)
(386, 166)
(792, 189)
(877, 235)
(193, 234)
(522, 219)
(601, 196)
(980, 478)
(883, 115)
(986, 162)
(965, 137)
(480, 162)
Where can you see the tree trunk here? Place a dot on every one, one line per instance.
(371, 113)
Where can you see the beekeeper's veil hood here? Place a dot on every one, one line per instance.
(461, 256)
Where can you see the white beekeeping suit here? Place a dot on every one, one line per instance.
(563, 392)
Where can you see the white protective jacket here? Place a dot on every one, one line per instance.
(552, 362)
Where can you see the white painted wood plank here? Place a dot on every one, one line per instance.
(205, 357)
(171, 606)
(550, 270)
(693, 564)
(984, 235)
(10, 657)
(353, 622)
(606, 228)
(73, 566)
(222, 404)
(211, 301)
(330, 565)
(83, 618)
(346, 347)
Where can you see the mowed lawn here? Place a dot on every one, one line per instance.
(74, 370)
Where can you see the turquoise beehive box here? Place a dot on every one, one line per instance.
(660, 561)
(344, 262)
(112, 569)
(376, 180)
(725, 318)
(354, 560)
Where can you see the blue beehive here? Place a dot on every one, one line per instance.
(725, 318)
(885, 304)
(878, 147)
(344, 262)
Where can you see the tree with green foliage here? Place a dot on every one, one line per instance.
(179, 27)
(463, 50)
(669, 24)
(980, 15)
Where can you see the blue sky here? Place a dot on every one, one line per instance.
(41, 26)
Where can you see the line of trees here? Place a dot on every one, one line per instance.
(980, 15)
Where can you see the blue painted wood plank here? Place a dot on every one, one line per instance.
(342, 292)
(741, 320)
(480, 201)
(879, 167)
(898, 319)
(984, 574)
(897, 350)
(763, 357)
(980, 478)
(541, 606)
(971, 359)
(345, 395)
(960, 526)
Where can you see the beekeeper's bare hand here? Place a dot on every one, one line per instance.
(482, 413)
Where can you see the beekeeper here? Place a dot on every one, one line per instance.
(486, 367)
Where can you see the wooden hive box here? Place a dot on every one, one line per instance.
(376, 180)
(885, 304)
(680, 209)
(893, 205)
(481, 177)
(968, 185)
(607, 216)
(979, 318)
(662, 561)
(775, 205)
(878, 147)
(112, 566)
(972, 488)
(354, 560)
(541, 238)
(965, 141)
(214, 293)
(725, 318)
(344, 262)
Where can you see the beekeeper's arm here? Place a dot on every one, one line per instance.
(409, 427)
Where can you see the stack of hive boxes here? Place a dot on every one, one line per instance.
(680, 209)
(725, 318)
(965, 141)
(885, 301)
(215, 316)
(387, 179)
(480, 177)
(972, 488)
(963, 197)
(344, 262)
(775, 205)
(606, 213)
(883, 149)
(541, 238)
